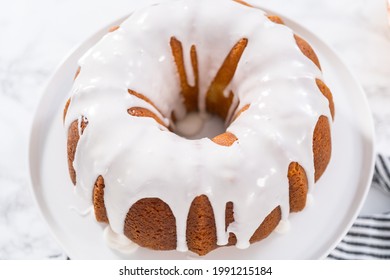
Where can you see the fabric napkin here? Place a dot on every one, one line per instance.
(369, 237)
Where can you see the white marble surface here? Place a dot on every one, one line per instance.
(36, 35)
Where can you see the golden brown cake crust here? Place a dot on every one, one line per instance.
(98, 201)
(150, 222)
(326, 92)
(243, 3)
(225, 139)
(322, 146)
(65, 109)
(275, 19)
(201, 230)
(142, 112)
(189, 93)
(307, 50)
(298, 187)
(143, 97)
(77, 73)
(216, 102)
(113, 28)
(73, 139)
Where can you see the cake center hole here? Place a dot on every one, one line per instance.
(197, 125)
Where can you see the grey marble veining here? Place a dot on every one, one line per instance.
(36, 35)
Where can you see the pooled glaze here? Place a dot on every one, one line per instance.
(190, 125)
(138, 158)
(119, 242)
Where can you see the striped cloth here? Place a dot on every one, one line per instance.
(369, 237)
(381, 177)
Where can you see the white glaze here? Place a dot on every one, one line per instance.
(199, 125)
(82, 213)
(119, 242)
(138, 158)
(190, 125)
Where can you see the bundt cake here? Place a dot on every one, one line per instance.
(224, 57)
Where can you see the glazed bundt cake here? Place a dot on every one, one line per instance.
(224, 57)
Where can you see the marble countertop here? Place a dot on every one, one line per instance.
(37, 35)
